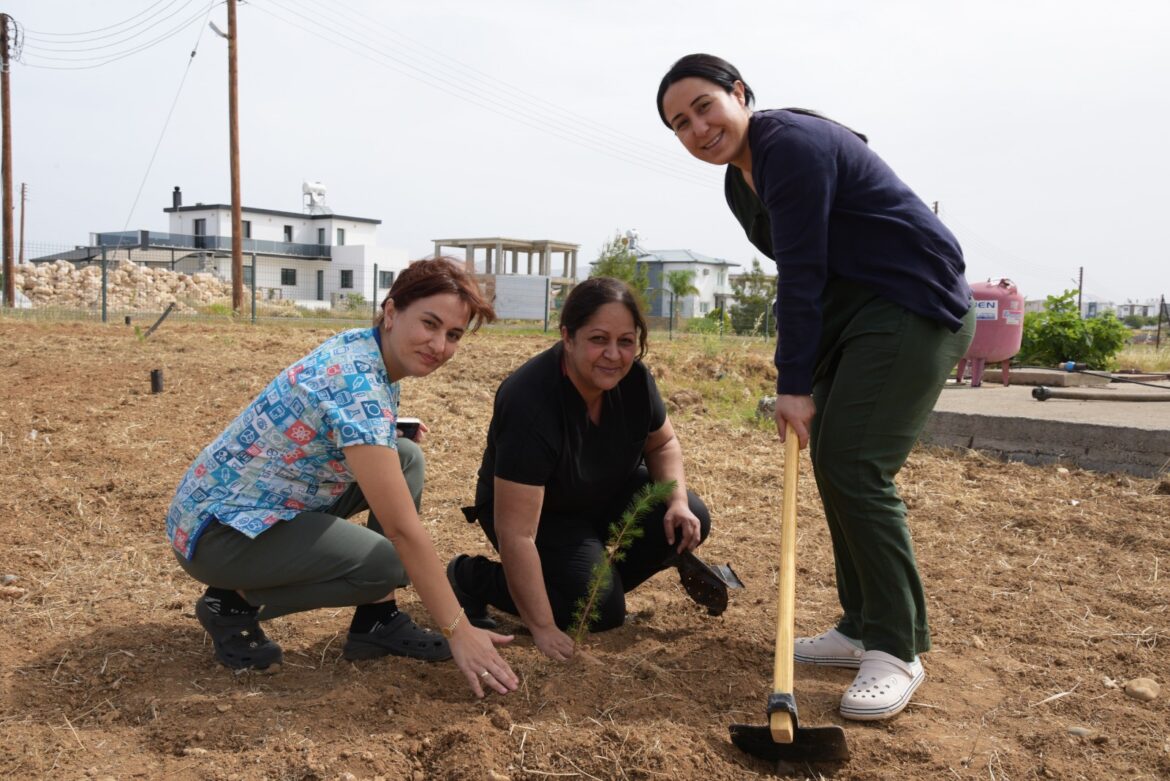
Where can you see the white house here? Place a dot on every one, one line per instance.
(711, 277)
(315, 257)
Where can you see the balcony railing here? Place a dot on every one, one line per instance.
(150, 239)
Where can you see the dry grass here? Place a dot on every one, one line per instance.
(1047, 589)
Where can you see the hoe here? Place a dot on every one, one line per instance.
(782, 738)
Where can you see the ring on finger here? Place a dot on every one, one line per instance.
(485, 674)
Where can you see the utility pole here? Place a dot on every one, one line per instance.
(935, 207)
(1080, 287)
(1161, 311)
(23, 198)
(6, 164)
(234, 142)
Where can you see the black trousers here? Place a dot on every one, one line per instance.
(569, 553)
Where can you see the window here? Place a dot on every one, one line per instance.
(199, 228)
(347, 279)
(706, 272)
(321, 236)
(247, 229)
(288, 233)
(288, 276)
(385, 279)
(341, 237)
(704, 307)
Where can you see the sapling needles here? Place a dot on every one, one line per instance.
(622, 534)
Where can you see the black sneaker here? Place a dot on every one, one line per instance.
(239, 641)
(474, 608)
(399, 636)
(705, 584)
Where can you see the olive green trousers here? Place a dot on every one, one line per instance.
(317, 559)
(881, 370)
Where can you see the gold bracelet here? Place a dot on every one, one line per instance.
(450, 630)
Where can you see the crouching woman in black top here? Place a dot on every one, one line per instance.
(575, 433)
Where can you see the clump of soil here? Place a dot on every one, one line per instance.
(1047, 593)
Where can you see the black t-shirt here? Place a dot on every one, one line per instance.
(541, 434)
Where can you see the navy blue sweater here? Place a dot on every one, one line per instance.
(827, 207)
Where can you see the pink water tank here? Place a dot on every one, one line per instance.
(999, 328)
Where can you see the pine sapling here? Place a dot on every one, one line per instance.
(622, 535)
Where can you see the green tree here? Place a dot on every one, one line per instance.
(753, 298)
(680, 283)
(1059, 334)
(618, 261)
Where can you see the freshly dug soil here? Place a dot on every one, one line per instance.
(1047, 590)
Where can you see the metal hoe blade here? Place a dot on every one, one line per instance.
(809, 744)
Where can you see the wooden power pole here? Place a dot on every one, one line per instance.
(6, 154)
(23, 198)
(234, 142)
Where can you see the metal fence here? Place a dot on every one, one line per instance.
(118, 282)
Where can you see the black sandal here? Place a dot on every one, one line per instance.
(398, 637)
(705, 584)
(239, 641)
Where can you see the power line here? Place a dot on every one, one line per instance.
(464, 70)
(167, 121)
(106, 59)
(103, 29)
(71, 46)
(513, 111)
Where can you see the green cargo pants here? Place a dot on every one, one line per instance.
(317, 559)
(880, 373)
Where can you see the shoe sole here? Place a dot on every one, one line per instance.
(207, 620)
(360, 652)
(846, 662)
(877, 714)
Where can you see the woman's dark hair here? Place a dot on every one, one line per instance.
(719, 71)
(432, 276)
(703, 66)
(586, 298)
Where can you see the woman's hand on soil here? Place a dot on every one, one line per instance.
(797, 411)
(475, 653)
(554, 643)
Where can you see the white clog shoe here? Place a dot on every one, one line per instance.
(829, 649)
(882, 688)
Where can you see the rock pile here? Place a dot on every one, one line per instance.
(129, 287)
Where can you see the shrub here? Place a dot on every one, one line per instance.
(701, 325)
(1059, 334)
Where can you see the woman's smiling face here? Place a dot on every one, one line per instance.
(602, 351)
(709, 121)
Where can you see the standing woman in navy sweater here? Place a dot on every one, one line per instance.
(873, 312)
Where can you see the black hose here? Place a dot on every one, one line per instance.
(1044, 393)
(1078, 370)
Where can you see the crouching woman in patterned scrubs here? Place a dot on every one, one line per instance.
(260, 516)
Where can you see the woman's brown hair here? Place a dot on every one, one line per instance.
(432, 276)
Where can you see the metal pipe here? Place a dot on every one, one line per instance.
(1043, 393)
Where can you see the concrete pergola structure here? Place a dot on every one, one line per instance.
(496, 251)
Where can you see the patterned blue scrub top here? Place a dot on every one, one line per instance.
(283, 454)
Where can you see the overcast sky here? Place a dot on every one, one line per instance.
(1040, 128)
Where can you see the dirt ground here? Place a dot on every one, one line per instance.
(1047, 590)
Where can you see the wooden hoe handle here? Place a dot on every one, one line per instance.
(780, 723)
